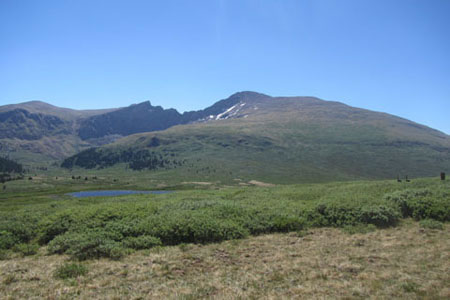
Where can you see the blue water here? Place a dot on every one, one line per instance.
(112, 193)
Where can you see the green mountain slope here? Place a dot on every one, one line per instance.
(36, 132)
(281, 139)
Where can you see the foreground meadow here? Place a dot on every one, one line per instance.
(343, 240)
(407, 261)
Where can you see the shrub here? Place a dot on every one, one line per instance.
(403, 199)
(431, 209)
(18, 230)
(7, 240)
(422, 204)
(431, 224)
(379, 215)
(26, 249)
(410, 286)
(54, 226)
(258, 222)
(141, 242)
(339, 215)
(316, 217)
(70, 270)
(86, 245)
(192, 228)
(288, 223)
(4, 254)
(118, 229)
(267, 221)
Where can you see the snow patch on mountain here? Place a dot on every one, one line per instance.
(229, 113)
(223, 115)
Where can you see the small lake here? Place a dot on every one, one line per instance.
(113, 193)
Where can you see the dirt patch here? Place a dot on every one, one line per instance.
(260, 183)
(197, 182)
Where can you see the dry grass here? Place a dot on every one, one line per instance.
(403, 262)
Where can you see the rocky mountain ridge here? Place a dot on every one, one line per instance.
(41, 129)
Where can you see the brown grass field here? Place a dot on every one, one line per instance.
(405, 262)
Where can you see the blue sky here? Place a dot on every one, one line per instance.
(391, 56)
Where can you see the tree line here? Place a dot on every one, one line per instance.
(10, 166)
(136, 159)
(8, 169)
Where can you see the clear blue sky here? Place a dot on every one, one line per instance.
(385, 55)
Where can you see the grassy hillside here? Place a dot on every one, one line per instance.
(43, 151)
(287, 140)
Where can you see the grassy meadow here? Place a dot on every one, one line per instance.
(207, 239)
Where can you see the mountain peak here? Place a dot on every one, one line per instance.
(39, 102)
(248, 95)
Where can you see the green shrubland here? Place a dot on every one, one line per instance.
(113, 227)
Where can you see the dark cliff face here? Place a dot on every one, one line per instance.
(136, 118)
(144, 117)
(21, 124)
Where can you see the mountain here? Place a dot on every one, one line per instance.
(144, 117)
(39, 131)
(221, 107)
(279, 139)
(22, 124)
(141, 117)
